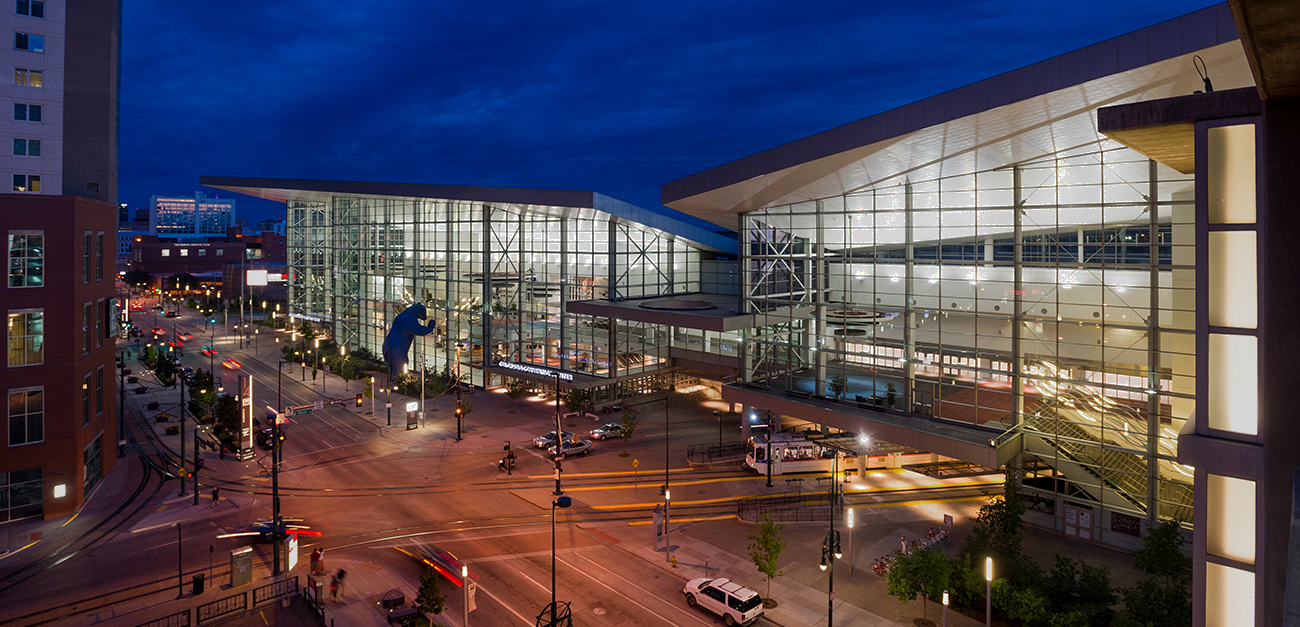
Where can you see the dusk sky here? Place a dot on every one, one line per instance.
(616, 98)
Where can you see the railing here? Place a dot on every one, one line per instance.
(788, 507)
(221, 607)
(275, 590)
(715, 453)
(179, 619)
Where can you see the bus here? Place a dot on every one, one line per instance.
(796, 452)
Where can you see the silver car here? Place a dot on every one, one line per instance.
(571, 447)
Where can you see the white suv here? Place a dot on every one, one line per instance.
(736, 604)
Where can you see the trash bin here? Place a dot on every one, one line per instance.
(198, 584)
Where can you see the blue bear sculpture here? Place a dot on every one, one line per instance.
(397, 344)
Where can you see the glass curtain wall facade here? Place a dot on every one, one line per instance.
(495, 277)
(1055, 296)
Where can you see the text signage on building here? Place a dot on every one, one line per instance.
(531, 369)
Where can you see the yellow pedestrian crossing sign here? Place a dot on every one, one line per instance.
(636, 462)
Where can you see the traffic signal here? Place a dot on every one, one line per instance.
(198, 466)
(460, 411)
(359, 401)
(280, 440)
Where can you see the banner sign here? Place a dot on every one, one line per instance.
(537, 370)
(246, 413)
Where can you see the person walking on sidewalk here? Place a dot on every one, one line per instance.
(334, 588)
(342, 574)
(317, 562)
(216, 495)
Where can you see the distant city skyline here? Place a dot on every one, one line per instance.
(617, 99)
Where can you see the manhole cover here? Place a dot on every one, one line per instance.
(599, 611)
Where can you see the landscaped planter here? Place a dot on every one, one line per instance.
(153, 405)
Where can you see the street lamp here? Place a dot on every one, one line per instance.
(988, 592)
(830, 553)
(561, 502)
(848, 520)
(945, 605)
(315, 361)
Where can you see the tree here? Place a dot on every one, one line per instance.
(923, 571)
(164, 369)
(138, 278)
(347, 372)
(181, 281)
(998, 531)
(226, 418)
(429, 599)
(1075, 588)
(891, 393)
(765, 547)
(575, 399)
(1163, 597)
(515, 389)
(839, 383)
(630, 420)
(368, 391)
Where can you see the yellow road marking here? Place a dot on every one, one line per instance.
(682, 520)
(74, 517)
(605, 474)
(925, 486)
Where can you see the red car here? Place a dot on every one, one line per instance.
(208, 350)
(185, 336)
(445, 563)
(159, 331)
(230, 363)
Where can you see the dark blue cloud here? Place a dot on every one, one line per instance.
(614, 97)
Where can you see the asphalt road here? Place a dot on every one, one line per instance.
(368, 488)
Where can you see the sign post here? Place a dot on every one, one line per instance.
(293, 550)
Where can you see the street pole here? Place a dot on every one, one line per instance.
(830, 553)
(196, 487)
(464, 586)
(561, 502)
(668, 544)
(389, 402)
(559, 440)
(848, 512)
(372, 396)
(717, 414)
(180, 571)
(988, 592)
(275, 470)
(121, 407)
(945, 605)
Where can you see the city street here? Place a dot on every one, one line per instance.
(368, 488)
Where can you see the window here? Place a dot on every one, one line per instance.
(26, 259)
(85, 400)
(99, 324)
(25, 112)
(85, 329)
(31, 8)
(219, 252)
(30, 43)
(99, 256)
(24, 77)
(26, 416)
(22, 494)
(92, 188)
(93, 457)
(85, 257)
(203, 252)
(185, 252)
(27, 182)
(99, 390)
(26, 338)
(27, 147)
(166, 252)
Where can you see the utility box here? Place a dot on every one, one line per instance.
(241, 567)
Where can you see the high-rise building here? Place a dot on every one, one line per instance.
(190, 217)
(59, 224)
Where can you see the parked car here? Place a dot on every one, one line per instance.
(548, 440)
(571, 448)
(607, 431)
(736, 604)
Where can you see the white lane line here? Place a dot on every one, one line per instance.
(630, 599)
(494, 597)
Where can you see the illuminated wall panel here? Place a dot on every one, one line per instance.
(1234, 383)
(1230, 518)
(1231, 175)
(1229, 596)
(1233, 281)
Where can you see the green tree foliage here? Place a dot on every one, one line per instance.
(429, 599)
(1073, 587)
(575, 399)
(348, 372)
(138, 278)
(1163, 597)
(164, 369)
(998, 530)
(839, 383)
(226, 418)
(922, 572)
(765, 547)
(630, 420)
(1021, 604)
(515, 389)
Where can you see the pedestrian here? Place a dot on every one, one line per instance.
(216, 495)
(342, 574)
(316, 556)
(334, 588)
